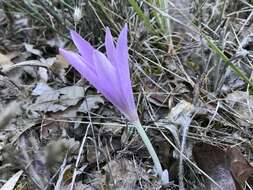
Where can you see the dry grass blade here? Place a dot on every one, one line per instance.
(11, 183)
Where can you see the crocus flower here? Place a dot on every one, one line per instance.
(110, 75)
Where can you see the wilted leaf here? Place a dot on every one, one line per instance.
(47, 102)
(70, 95)
(211, 159)
(226, 166)
(239, 166)
(42, 88)
(56, 100)
(181, 113)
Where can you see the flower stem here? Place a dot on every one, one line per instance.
(151, 149)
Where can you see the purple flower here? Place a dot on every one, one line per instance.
(108, 74)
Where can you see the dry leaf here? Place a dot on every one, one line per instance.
(211, 159)
(51, 100)
(42, 88)
(181, 113)
(227, 167)
(5, 61)
(239, 166)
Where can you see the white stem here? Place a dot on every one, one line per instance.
(150, 148)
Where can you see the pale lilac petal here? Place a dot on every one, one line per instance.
(111, 54)
(110, 47)
(84, 47)
(123, 67)
(108, 78)
(122, 52)
(109, 75)
(81, 66)
(105, 71)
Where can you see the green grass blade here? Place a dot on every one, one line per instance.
(226, 60)
(140, 13)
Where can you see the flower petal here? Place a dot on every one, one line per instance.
(107, 76)
(123, 67)
(105, 71)
(83, 47)
(111, 54)
(110, 47)
(81, 66)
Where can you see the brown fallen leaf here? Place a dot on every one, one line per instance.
(239, 166)
(226, 166)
